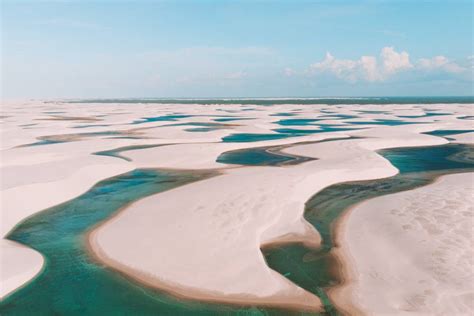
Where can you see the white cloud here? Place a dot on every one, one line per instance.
(364, 68)
(393, 61)
(345, 69)
(440, 63)
(369, 66)
(389, 63)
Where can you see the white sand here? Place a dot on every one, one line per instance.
(412, 253)
(222, 222)
(18, 265)
(201, 239)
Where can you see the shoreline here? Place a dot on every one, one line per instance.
(97, 254)
(341, 295)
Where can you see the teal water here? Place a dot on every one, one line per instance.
(260, 156)
(249, 137)
(170, 117)
(383, 122)
(448, 132)
(296, 122)
(201, 129)
(338, 116)
(427, 114)
(72, 283)
(322, 129)
(316, 269)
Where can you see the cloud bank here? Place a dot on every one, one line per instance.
(381, 68)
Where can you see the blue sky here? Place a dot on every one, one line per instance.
(236, 48)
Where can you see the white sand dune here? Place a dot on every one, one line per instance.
(201, 240)
(18, 265)
(223, 221)
(412, 253)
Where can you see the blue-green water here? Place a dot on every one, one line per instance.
(261, 156)
(427, 114)
(338, 116)
(285, 133)
(322, 129)
(296, 122)
(73, 283)
(249, 137)
(317, 269)
(170, 117)
(448, 132)
(383, 122)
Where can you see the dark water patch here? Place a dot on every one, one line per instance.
(467, 117)
(162, 118)
(283, 114)
(373, 111)
(427, 114)
(296, 122)
(448, 132)
(322, 129)
(202, 129)
(261, 156)
(384, 122)
(73, 283)
(316, 270)
(338, 116)
(271, 155)
(249, 137)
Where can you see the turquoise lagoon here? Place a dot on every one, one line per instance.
(73, 283)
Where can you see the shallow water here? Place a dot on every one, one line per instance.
(297, 122)
(260, 156)
(383, 122)
(448, 132)
(321, 129)
(316, 269)
(249, 137)
(73, 283)
(170, 117)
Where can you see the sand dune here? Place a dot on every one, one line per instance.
(412, 252)
(216, 226)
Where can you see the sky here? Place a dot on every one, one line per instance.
(144, 48)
